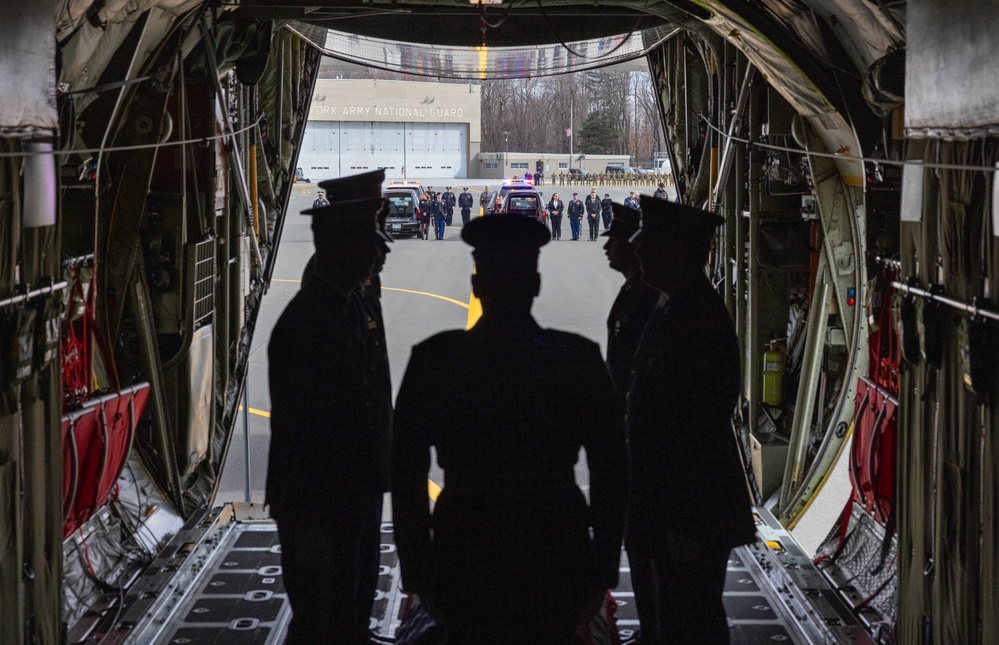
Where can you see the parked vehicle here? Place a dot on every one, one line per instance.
(404, 211)
(500, 195)
(526, 203)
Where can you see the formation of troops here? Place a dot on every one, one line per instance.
(512, 551)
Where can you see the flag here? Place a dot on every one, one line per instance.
(568, 132)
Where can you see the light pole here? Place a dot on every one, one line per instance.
(506, 151)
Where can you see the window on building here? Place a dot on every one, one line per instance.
(491, 166)
(563, 164)
(518, 165)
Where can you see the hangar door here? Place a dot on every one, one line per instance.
(415, 150)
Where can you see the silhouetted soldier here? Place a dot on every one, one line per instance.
(635, 301)
(690, 503)
(507, 555)
(326, 439)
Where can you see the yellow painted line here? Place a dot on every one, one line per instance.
(262, 413)
(474, 307)
(433, 489)
(431, 295)
(419, 293)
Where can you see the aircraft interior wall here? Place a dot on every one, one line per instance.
(133, 260)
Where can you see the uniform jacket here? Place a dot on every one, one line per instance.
(592, 206)
(325, 438)
(448, 199)
(319, 203)
(510, 496)
(484, 198)
(440, 209)
(575, 209)
(661, 194)
(556, 207)
(687, 478)
(606, 207)
(632, 308)
(465, 201)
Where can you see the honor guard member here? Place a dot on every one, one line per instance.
(449, 202)
(511, 553)
(320, 200)
(324, 435)
(635, 301)
(465, 205)
(690, 504)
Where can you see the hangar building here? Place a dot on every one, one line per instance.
(409, 128)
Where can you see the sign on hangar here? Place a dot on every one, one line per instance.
(411, 129)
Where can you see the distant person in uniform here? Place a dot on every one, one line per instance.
(326, 437)
(555, 208)
(449, 202)
(690, 504)
(606, 210)
(440, 218)
(512, 552)
(320, 200)
(575, 213)
(635, 301)
(465, 205)
(484, 198)
(541, 178)
(661, 192)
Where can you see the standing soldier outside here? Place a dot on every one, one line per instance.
(606, 211)
(484, 199)
(634, 303)
(325, 434)
(661, 192)
(684, 389)
(575, 213)
(440, 217)
(465, 205)
(449, 201)
(555, 208)
(491, 569)
(320, 200)
(593, 209)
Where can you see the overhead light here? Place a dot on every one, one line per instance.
(485, 1)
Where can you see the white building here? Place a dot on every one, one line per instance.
(411, 129)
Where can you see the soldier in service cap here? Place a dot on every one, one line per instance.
(494, 568)
(326, 437)
(689, 504)
(635, 301)
(465, 201)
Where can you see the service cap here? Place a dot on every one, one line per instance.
(506, 240)
(625, 223)
(662, 218)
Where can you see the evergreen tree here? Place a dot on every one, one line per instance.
(598, 136)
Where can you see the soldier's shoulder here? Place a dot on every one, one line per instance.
(569, 341)
(440, 341)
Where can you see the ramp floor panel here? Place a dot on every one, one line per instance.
(238, 596)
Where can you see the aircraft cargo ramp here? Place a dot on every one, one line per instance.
(218, 581)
